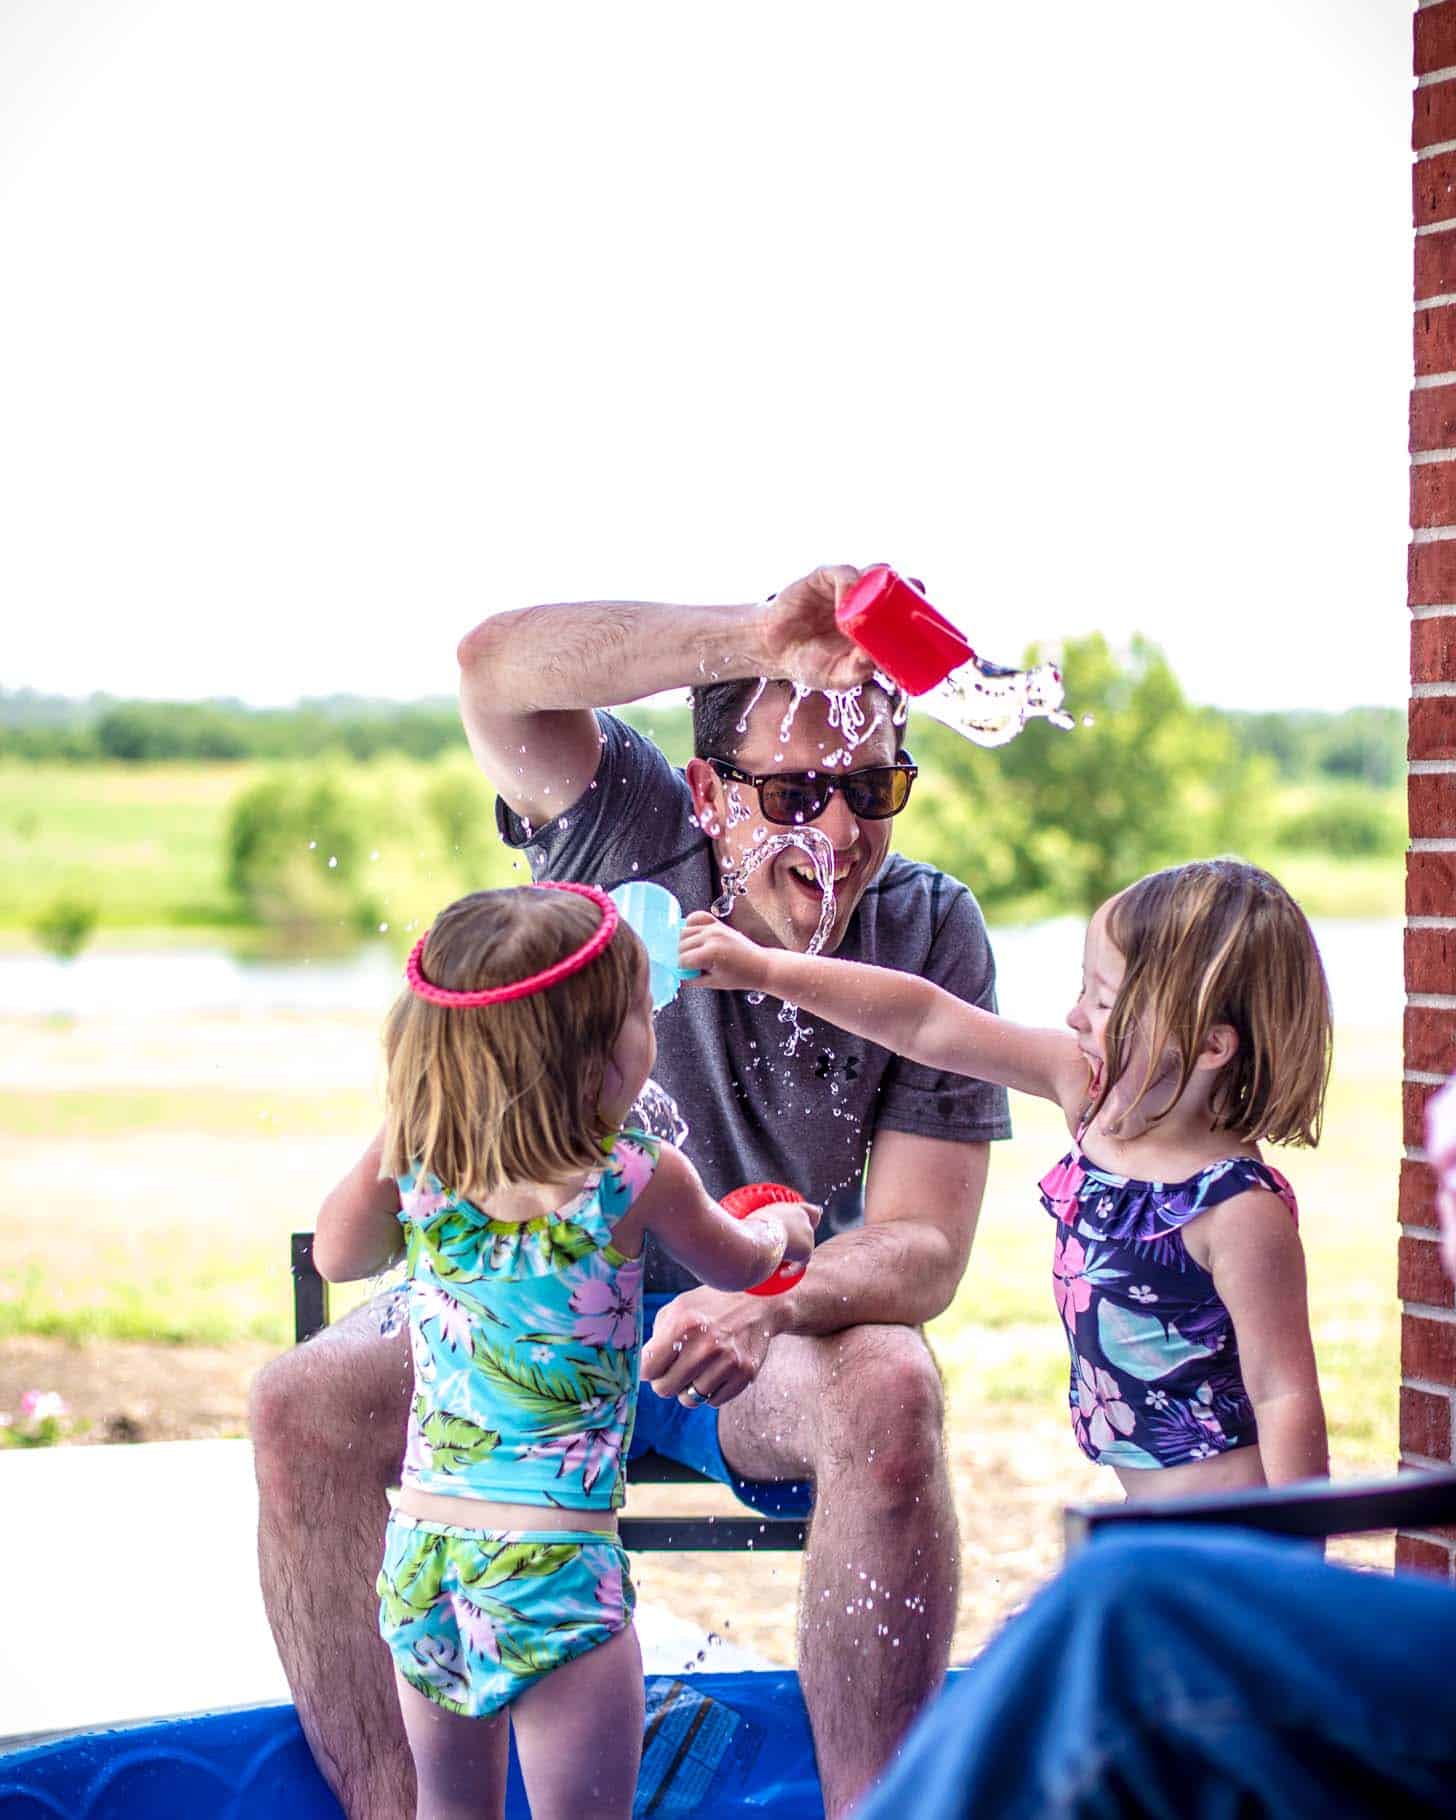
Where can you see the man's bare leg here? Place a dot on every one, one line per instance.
(860, 1412)
(328, 1425)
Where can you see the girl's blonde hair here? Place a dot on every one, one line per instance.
(1221, 942)
(483, 1096)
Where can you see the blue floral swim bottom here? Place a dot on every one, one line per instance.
(473, 1616)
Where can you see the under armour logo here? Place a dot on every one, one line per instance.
(825, 1064)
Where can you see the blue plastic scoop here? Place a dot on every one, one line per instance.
(656, 915)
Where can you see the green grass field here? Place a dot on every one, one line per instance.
(201, 1258)
(144, 844)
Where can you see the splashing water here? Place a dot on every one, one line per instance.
(753, 702)
(735, 881)
(800, 690)
(656, 1112)
(990, 704)
(845, 714)
(738, 810)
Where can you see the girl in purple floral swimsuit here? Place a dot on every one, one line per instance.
(1202, 1029)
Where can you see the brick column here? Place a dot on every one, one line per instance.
(1428, 1309)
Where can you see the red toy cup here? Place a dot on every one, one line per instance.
(891, 619)
(746, 1200)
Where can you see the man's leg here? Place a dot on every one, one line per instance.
(859, 1412)
(1199, 1675)
(328, 1425)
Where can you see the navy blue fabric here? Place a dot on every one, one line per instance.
(1197, 1677)
(690, 1436)
(1155, 1378)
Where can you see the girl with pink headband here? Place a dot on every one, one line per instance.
(504, 1173)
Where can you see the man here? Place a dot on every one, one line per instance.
(825, 1395)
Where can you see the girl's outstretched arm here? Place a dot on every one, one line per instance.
(1257, 1264)
(901, 1012)
(357, 1232)
(723, 1252)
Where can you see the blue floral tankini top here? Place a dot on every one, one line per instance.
(1155, 1361)
(525, 1338)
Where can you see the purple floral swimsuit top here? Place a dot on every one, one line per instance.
(1155, 1362)
(525, 1338)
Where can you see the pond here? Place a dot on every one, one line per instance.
(1038, 967)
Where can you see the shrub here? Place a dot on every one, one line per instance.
(1347, 821)
(65, 926)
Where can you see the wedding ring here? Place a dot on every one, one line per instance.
(692, 1396)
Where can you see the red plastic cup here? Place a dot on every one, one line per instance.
(891, 619)
(746, 1200)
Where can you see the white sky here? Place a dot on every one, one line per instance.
(328, 327)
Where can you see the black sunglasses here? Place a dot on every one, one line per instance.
(792, 798)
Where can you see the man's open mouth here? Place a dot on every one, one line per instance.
(807, 879)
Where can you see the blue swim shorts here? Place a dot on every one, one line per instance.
(690, 1436)
(473, 1616)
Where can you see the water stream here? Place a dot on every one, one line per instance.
(735, 881)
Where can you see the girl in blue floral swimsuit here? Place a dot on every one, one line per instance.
(521, 1206)
(1202, 1028)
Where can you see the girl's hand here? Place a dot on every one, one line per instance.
(727, 961)
(799, 1220)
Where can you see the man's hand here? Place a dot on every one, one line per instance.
(724, 958)
(800, 639)
(708, 1345)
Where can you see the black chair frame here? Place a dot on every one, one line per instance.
(657, 1534)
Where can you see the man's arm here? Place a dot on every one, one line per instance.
(902, 1267)
(530, 679)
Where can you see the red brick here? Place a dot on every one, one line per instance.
(1430, 1039)
(1433, 189)
(1433, 735)
(1433, 641)
(1430, 954)
(1431, 574)
(1433, 117)
(1413, 1555)
(1425, 1423)
(1435, 262)
(1416, 1204)
(1413, 1097)
(1433, 493)
(1435, 38)
(1421, 1277)
(1435, 337)
(1433, 408)
(1428, 1349)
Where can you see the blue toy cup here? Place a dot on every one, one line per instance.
(656, 915)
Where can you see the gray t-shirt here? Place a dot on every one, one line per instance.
(755, 1113)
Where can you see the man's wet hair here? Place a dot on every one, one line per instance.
(719, 707)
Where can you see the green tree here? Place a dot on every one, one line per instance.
(1058, 821)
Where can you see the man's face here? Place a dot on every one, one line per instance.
(781, 904)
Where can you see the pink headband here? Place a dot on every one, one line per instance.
(537, 982)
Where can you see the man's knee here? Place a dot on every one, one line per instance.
(884, 1412)
(334, 1407)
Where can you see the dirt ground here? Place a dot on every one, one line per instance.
(1012, 1475)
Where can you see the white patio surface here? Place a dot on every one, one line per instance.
(132, 1590)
